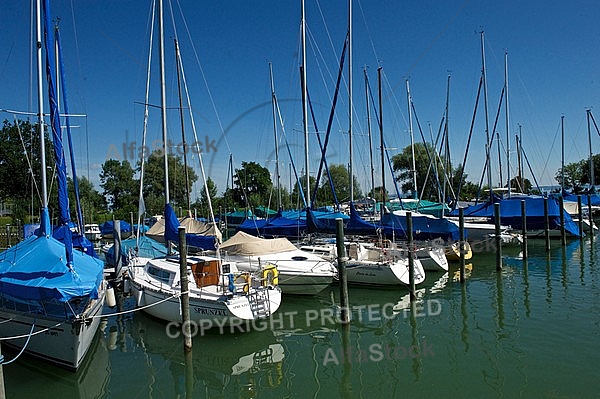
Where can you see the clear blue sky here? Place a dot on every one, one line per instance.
(226, 46)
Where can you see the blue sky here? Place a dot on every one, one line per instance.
(226, 47)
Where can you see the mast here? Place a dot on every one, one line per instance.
(562, 153)
(305, 107)
(350, 171)
(520, 159)
(507, 114)
(277, 176)
(185, 166)
(446, 144)
(369, 132)
(412, 140)
(592, 180)
(381, 140)
(44, 219)
(163, 95)
(485, 106)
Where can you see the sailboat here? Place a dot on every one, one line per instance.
(218, 292)
(299, 273)
(51, 296)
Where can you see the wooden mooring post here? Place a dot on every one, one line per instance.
(524, 229)
(185, 296)
(563, 231)
(411, 260)
(590, 218)
(498, 236)
(461, 242)
(580, 215)
(546, 224)
(341, 259)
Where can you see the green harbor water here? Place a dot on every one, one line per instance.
(527, 331)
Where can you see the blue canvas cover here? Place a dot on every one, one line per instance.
(146, 248)
(107, 228)
(36, 269)
(425, 227)
(594, 198)
(510, 213)
(206, 242)
(278, 226)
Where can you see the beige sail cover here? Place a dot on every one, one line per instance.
(246, 244)
(192, 226)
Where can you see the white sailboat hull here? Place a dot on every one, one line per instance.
(299, 273)
(213, 302)
(383, 274)
(64, 343)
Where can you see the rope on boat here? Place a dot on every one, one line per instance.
(175, 295)
(24, 346)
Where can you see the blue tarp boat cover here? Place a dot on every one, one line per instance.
(107, 227)
(36, 269)
(205, 242)
(510, 213)
(146, 248)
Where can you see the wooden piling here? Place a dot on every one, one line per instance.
(580, 214)
(341, 259)
(461, 244)
(185, 296)
(117, 247)
(411, 260)
(546, 224)
(498, 236)
(563, 232)
(590, 218)
(524, 229)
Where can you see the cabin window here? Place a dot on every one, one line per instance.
(299, 258)
(163, 276)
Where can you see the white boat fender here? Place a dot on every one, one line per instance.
(111, 301)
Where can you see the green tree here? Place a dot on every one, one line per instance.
(296, 200)
(252, 185)
(577, 174)
(91, 200)
(202, 203)
(120, 187)
(20, 165)
(341, 184)
(520, 184)
(378, 194)
(427, 184)
(154, 182)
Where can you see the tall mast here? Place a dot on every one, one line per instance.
(446, 144)
(185, 167)
(588, 112)
(369, 132)
(520, 158)
(381, 139)
(507, 114)
(305, 107)
(163, 95)
(562, 153)
(350, 171)
(412, 140)
(277, 176)
(40, 84)
(487, 127)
